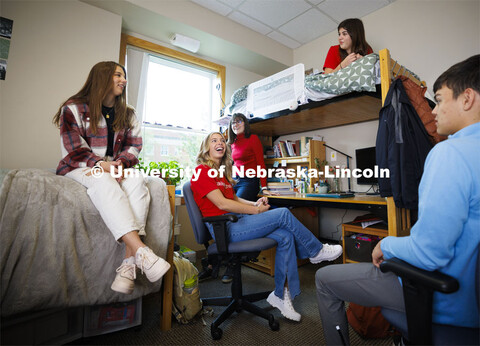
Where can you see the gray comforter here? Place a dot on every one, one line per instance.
(55, 250)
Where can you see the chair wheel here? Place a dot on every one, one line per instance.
(274, 325)
(216, 333)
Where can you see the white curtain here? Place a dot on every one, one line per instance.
(137, 69)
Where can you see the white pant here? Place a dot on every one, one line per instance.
(123, 206)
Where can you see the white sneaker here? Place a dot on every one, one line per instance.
(153, 266)
(327, 253)
(284, 305)
(125, 279)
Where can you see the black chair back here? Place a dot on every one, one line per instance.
(202, 235)
(477, 284)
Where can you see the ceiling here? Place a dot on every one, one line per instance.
(293, 23)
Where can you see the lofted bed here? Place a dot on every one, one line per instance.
(349, 108)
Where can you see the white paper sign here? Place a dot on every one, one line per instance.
(277, 92)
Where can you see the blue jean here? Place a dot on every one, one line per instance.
(294, 241)
(247, 188)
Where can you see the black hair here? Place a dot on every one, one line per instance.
(231, 135)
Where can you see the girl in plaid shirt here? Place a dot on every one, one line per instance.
(100, 138)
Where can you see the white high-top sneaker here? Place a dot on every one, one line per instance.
(153, 266)
(327, 253)
(125, 279)
(284, 305)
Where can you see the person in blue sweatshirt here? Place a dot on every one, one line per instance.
(446, 236)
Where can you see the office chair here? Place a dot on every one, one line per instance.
(418, 287)
(236, 253)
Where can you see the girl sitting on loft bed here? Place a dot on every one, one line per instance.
(352, 46)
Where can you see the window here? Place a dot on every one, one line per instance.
(176, 98)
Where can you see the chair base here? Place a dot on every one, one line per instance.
(238, 302)
(245, 303)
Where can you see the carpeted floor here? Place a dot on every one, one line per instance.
(242, 328)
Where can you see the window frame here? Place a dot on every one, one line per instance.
(128, 40)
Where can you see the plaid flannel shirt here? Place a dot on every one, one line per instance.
(82, 148)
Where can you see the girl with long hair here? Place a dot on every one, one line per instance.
(214, 196)
(247, 152)
(100, 138)
(352, 46)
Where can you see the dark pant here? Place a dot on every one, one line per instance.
(247, 188)
(360, 283)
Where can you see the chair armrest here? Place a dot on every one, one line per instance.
(434, 280)
(219, 224)
(221, 218)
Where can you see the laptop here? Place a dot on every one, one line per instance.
(331, 195)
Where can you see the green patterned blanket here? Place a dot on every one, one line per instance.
(358, 76)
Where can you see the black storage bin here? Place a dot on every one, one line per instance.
(359, 250)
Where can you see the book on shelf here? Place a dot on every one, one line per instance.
(290, 148)
(282, 151)
(284, 192)
(285, 149)
(279, 185)
(303, 145)
(297, 148)
(276, 150)
(281, 188)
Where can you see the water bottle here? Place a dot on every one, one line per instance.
(190, 285)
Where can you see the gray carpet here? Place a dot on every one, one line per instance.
(242, 328)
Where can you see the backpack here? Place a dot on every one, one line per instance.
(185, 305)
(369, 321)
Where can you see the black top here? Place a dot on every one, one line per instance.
(109, 114)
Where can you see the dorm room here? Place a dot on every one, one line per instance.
(57, 47)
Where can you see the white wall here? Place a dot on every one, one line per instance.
(425, 36)
(54, 45)
(187, 12)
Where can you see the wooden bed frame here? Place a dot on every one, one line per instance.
(167, 284)
(347, 109)
(343, 110)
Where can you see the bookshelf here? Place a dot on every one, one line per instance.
(317, 150)
(266, 260)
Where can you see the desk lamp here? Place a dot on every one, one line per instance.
(348, 164)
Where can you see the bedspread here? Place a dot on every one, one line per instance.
(55, 250)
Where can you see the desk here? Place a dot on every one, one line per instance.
(399, 222)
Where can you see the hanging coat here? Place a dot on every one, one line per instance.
(402, 146)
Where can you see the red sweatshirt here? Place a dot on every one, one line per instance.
(248, 152)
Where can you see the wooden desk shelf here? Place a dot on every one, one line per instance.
(348, 229)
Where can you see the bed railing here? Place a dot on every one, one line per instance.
(390, 69)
